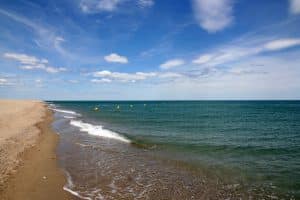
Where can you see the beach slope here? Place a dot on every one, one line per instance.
(28, 166)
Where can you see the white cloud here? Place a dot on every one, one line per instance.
(295, 6)
(30, 67)
(282, 44)
(213, 15)
(24, 21)
(202, 59)
(108, 5)
(23, 58)
(94, 6)
(116, 58)
(172, 63)
(145, 3)
(97, 6)
(103, 80)
(30, 63)
(6, 82)
(170, 75)
(238, 51)
(249, 79)
(47, 37)
(108, 76)
(57, 43)
(225, 55)
(55, 70)
(102, 73)
(3, 81)
(123, 77)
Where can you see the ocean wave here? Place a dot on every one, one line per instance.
(51, 105)
(66, 111)
(69, 117)
(98, 131)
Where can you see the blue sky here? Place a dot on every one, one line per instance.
(150, 49)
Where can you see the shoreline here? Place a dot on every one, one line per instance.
(216, 170)
(36, 174)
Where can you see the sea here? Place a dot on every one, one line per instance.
(179, 149)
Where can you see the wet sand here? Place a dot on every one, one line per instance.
(28, 164)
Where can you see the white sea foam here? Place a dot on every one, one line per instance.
(51, 105)
(98, 131)
(70, 185)
(76, 193)
(69, 117)
(66, 111)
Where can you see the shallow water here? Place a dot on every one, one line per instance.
(185, 150)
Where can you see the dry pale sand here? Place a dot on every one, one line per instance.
(28, 165)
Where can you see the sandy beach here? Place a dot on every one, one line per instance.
(28, 165)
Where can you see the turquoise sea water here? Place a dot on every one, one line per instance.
(250, 143)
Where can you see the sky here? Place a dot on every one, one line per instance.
(149, 49)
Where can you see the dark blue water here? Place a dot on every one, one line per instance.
(256, 142)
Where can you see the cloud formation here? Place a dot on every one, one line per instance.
(172, 63)
(93, 6)
(295, 6)
(108, 76)
(102, 80)
(115, 58)
(145, 3)
(46, 36)
(213, 15)
(98, 6)
(31, 63)
(235, 52)
(7, 81)
(208, 65)
(3, 81)
(282, 44)
(202, 59)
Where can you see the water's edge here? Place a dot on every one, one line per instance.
(240, 187)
